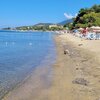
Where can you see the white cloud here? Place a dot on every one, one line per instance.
(69, 16)
(76, 14)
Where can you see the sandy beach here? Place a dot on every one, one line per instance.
(74, 76)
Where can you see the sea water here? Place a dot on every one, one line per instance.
(20, 53)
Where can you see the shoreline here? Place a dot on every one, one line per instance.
(74, 76)
(39, 79)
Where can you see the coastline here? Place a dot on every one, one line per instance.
(38, 80)
(74, 76)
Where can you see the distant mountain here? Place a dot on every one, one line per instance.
(43, 24)
(66, 21)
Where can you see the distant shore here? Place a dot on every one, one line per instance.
(24, 31)
(74, 76)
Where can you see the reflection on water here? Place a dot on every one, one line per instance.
(20, 53)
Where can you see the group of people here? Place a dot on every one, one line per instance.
(87, 34)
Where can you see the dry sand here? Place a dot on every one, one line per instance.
(74, 76)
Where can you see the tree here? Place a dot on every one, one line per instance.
(96, 8)
(88, 17)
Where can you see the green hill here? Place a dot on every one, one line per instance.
(87, 17)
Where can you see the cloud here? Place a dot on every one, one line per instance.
(69, 16)
(76, 14)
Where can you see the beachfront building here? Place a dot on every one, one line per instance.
(55, 26)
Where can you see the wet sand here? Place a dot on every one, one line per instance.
(74, 76)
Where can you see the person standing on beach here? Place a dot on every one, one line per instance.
(84, 32)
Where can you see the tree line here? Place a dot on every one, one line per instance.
(86, 17)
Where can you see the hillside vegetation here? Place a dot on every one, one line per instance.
(87, 17)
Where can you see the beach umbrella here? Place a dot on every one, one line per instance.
(96, 31)
(80, 29)
(95, 27)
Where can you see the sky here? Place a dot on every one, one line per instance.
(29, 12)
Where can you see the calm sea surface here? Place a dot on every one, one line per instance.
(20, 53)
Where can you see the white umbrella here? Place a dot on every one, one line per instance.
(96, 31)
(95, 27)
(80, 29)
